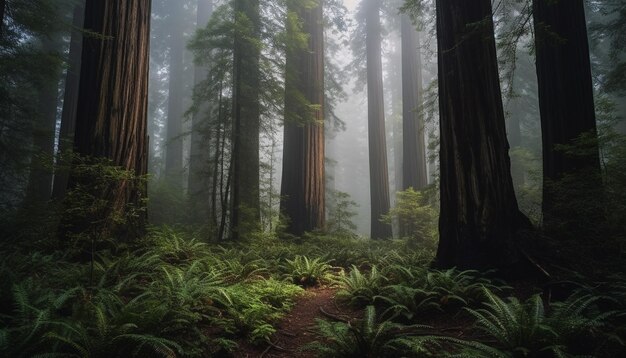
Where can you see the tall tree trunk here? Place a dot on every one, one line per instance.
(414, 172)
(39, 188)
(395, 150)
(111, 118)
(70, 102)
(303, 189)
(175, 108)
(479, 213)
(567, 112)
(246, 212)
(218, 157)
(330, 161)
(199, 157)
(379, 176)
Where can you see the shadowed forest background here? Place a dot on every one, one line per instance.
(312, 178)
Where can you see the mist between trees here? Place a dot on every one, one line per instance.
(174, 174)
(272, 116)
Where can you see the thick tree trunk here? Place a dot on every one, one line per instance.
(39, 188)
(111, 118)
(199, 157)
(246, 213)
(479, 213)
(303, 190)
(394, 135)
(379, 176)
(175, 108)
(567, 112)
(414, 147)
(70, 102)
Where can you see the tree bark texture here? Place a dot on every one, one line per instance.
(175, 107)
(414, 172)
(567, 112)
(379, 174)
(199, 156)
(70, 101)
(111, 117)
(303, 188)
(479, 213)
(39, 188)
(245, 205)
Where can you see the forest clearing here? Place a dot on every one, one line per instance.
(313, 178)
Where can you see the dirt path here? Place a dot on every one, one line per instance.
(297, 328)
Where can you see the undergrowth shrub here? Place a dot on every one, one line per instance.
(255, 307)
(417, 217)
(528, 329)
(341, 212)
(361, 288)
(369, 337)
(407, 302)
(457, 289)
(307, 272)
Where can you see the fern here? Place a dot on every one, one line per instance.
(459, 288)
(307, 272)
(407, 302)
(524, 329)
(361, 288)
(367, 338)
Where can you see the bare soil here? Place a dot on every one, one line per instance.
(297, 328)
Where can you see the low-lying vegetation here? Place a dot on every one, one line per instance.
(173, 295)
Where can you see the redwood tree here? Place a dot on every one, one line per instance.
(70, 101)
(379, 176)
(111, 117)
(199, 157)
(567, 113)
(175, 107)
(479, 213)
(303, 190)
(245, 202)
(39, 189)
(413, 140)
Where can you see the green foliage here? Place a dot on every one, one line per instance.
(340, 214)
(417, 217)
(92, 212)
(407, 302)
(361, 288)
(172, 295)
(414, 291)
(158, 299)
(307, 272)
(529, 330)
(256, 306)
(368, 338)
(459, 288)
(172, 247)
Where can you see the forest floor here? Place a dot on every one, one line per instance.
(297, 328)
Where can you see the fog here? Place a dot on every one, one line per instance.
(347, 168)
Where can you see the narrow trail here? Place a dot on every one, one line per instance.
(297, 328)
